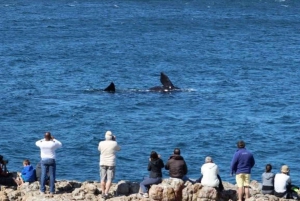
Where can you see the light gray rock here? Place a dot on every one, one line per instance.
(168, 190)
(78, 194)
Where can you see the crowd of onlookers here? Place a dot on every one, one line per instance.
(242, 162)
(45, 171)
(241, 165)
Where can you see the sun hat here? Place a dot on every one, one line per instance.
(208, 159)
(285, 169)
(108, 135)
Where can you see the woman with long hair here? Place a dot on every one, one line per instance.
(155, 165)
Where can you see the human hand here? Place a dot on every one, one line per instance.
(159, 156)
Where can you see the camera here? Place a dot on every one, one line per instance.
(113, 138)
(4, 162)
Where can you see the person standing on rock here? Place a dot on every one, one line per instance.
(241, 165)
(108, 149)
(48, 147)
(177, 166)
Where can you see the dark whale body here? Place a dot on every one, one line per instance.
(167, 85)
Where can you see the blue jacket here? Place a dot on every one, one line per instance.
(242, 162)
(28, 173)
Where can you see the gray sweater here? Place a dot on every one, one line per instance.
(268, 183)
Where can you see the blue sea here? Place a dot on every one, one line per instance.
(236, 61)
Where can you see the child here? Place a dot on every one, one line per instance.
(268, 180)
(28, 172)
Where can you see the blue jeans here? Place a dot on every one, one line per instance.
(145, 184)
(48, 165)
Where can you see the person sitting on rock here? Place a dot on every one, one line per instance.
(28, 172)
(283, 183)
(6, 178)
(154, 166)
(177, 166)
(268, 180)
(210, 175)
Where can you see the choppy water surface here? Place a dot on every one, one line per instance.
(236, 61)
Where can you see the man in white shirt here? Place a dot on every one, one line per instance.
(282, 182)
(48, 146)
(108, 150)
(210, 174)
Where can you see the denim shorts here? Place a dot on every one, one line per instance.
(107, 172)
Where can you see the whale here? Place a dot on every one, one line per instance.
(167, 85)
(110, 88)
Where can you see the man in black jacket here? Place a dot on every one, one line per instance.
(177, 166)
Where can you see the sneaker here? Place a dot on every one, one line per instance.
(104, 196)
(49, 196)
(145, 195)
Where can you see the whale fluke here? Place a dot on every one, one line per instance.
(110, 88)
(166, 82)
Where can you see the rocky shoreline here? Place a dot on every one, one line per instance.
(168, 190)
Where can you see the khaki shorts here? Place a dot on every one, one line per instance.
(242, 179)
(107, 173)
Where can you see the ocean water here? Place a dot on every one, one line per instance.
(236, 61)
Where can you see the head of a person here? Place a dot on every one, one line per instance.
(268, 168)
(48, 136)
(241, 144)
(108, 135)
(208, 159)
(2, 161)
(177, 151)
(26, 162)
(153, 155)
(285, 169)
